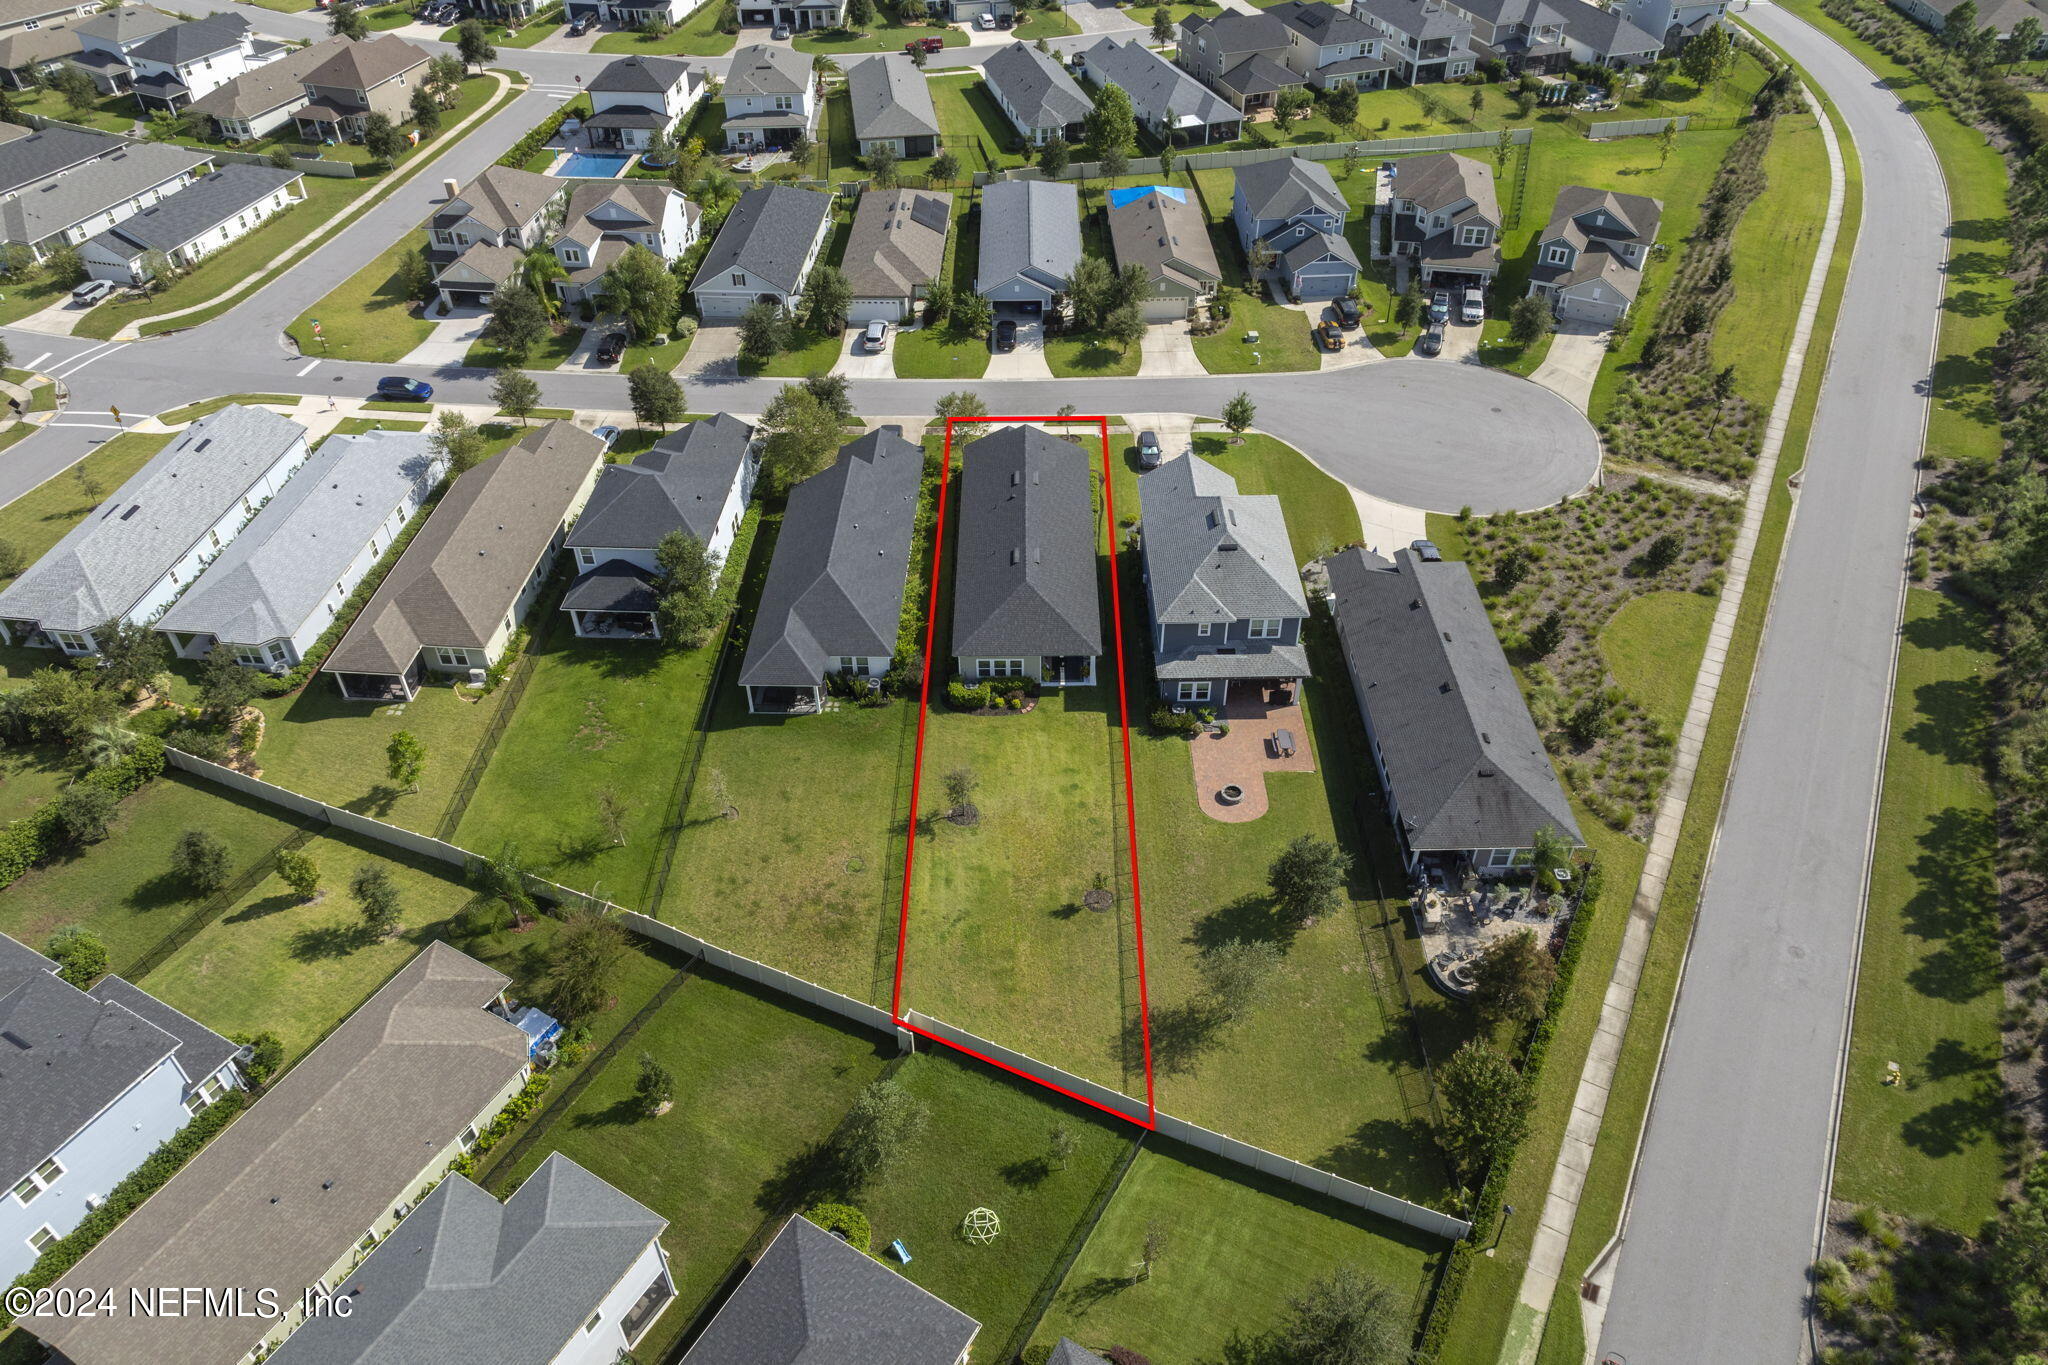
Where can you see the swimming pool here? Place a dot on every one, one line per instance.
(594, 165)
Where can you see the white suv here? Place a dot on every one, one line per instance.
(1474, 307)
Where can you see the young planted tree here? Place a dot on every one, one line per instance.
(1125, 325)
(656, 397)
(612, 812)
(382, 139)
(473, 44)
(583, 967)
(962, 403)
(1512, 980)
(1154, 1248)
(1162, 26)
(458, 442)
(1238, 415)
(827, 300)
(1662, 553)
(804, 434)
(1340, 106)
(80, 956)
(83, 814)
(518, 322)
(884, 165)
(1345, 1318)
(883, 1123)
(1309, 878)
(973, 314)
(1060, 1146)
(686, 587)
(1112, 125)
(405, 759)
(654, 1093)
(376, 898)
(1290, 104)
(200, 860)
(764, 330)
(960, 787)
(426, 110)
(1528, 319)
(1547, 634)
(516, 394)
(1486, 1106)
(945, 168)
(76, 87)
(345, 20)
(298, 871)
(1052, 159)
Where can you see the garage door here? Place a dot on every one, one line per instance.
(1165, 310)
(722, 306)
(1573, 309)
(870, 310)
(1321, 286)
(969, 9)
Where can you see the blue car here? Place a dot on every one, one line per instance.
(406, 390)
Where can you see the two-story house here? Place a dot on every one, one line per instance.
(1447, 218)
(1551, 35)
(696, 481)
(105, 40)
(91, 1082)
(764, 252)
(1222, 586)
(75, 200)
(136, 552)
(1242, 57)
(1042, 102)
(1167, 100)
(1590, 258)
(770, 99)
(259, 102)
(1678, 22)
(373, 76)
(186, 61)
(1424, 40)
(800, 16)
(606, 217)
(1289, 214)
(479, 238)
(634, 97)
(629, 14)
(1332, 47)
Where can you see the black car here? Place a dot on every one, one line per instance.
(1430, 342)
(1004, 338)
(584, 23)
(611, 348)
(1149, 454)
(1347, 313)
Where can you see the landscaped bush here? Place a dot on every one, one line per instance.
(36, 836)
(968, 696)
(529, 146)
(1167, 721)
(846, 1221)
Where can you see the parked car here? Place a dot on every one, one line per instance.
(1005, 20)
(985, 20)
(1004, 337)
(1426, 551)
(584, 23)
(1440, 306)
(609, 435)
(91, 292)
(1474, 309)
(611, 348)
(781, 32)
(1149, 453)
(1347, 313)
(1330, 336)
(925, 45)
(876, 336)
(407, 390)
(1430, 342)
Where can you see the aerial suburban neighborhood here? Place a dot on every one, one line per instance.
(1023, 682)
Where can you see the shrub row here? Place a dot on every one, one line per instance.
(31, 839)
(516, 1108)
(989, 692)
(537, 137)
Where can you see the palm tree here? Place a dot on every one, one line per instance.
(539, 270)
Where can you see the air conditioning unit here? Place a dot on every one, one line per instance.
(93, 1201)
(476, 677)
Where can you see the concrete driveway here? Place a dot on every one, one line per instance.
(584, 357)
(1573, 362)
(1027, 361)
(1356, 350)
(451, 340)
(1175, 430)
(1461, 341)
(56, 320)
(713, 357)
(857, 362)
(1167, 349)
(1099, 16)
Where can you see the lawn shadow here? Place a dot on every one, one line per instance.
(1396, 1155)
(1182, 1035)
(269, 905)
(328, 941)
(1952, 907)
(377, 801)
(1083, 1298)
(1026, 1174)
(617, 1114)
(164, 889)
(1250, 918)
(1952, 1125)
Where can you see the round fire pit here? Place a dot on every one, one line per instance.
(1231, 794)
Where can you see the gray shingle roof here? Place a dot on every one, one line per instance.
(768, 234)
(1036, 86)
(48, 151)
(1029, 227)
(1444, 178)
(201, 1051)
(368, 63)
(276, 573)
(465, 568)
(126, 24)
(1164, 231)
(764, 70)
(1024, 579)
(889, 98)
(1636, 218)
(193, 39)
(1323, 24)
(811, 1299)
(25, 46)
(283, 1193)
(1259, 74)
(1465, 763)
(640, 75)
(835, 585)
(1154, 84)
(680, 485)
(269, 86)
(615, 585)
(1287, 186)
(1609, 32)
(1068, 1352)
(1421, 19)
(1212, 553)
(898, 242)
(194, 211)
(45, 209)
(1314, 247)
(503, 199)
(104, 565)
(467, 1278)
(1233, 32)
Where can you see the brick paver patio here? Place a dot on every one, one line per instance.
(1244, 757)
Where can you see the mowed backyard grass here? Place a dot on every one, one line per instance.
(38, 519)
(1238, 1247)
(31, 775)
(757, 1087)
(1653, 646)
(1929, 993)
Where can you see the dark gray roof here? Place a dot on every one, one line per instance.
(1314, 247)
(1029, 227)
(44, 153)
(289, 1187)
(1154, 84)
(889, 98)
(1212, 553)
(502, 198)
(1259, 74)
(1465, 763)
(835, 585)
(126, 24)
(467, 1278)
(1423, 19)
(764, 70)
(680, 485)
(642, 75)
(1632, 218)
(193, 39)
(811, 1299)
(1233, 32)
(1610, 33)
(614, 585)
(192, 212)
(768, 234)
(1024, 578)
(1323, 24)
(1288, 186)
(1068, 1352)
(1036, 86)
(104, 565)
(201, 1051)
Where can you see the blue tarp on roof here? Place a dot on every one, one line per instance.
(1118, 198)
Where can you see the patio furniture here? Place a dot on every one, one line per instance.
(1283, 744)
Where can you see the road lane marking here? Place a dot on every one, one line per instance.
(311, 366)
(31, 366)
(78, 363)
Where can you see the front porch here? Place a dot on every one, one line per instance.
(1264, 731)
(329, 124)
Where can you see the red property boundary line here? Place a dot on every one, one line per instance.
(896, 1013)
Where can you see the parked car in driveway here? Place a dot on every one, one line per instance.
(1440, 306)
(1330, 336)
(875, 337)
(397, 386)
(584, 23)
(611, 348)
(781, 33)
(1474, 309)
(1149, 453)
(1004, 337)
(1347, 313)
(1431, 342)
(91, 292)
(609, 435)
(985, 20)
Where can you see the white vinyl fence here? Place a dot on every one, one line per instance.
(1635, 127)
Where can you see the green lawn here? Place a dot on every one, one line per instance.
(812, 355)
(22, 297)
(1929, 993)
(558, 347)
(664, 357)
(113, 114)
(192, 412)
(1654, 644)
(1087, 356)
(939, 353)
(30, 776)
(1238, 1247)
(368, 316)
(38, 519)
(523, 37)
(756, 1085)
(121, 888)
(1045, 23)
(1774, 246)
(887, 35)
(1285, 342)
(972, 125)
(696, 36)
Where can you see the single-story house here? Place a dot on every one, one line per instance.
(73, 205)
(605, 217)
(568, 1270)
(1222, 585)
(112, 1073)
(1042, 102)
(281, 583)
(1447, 219)
(892, 106)
(811, 1297)
(1026, 600)
(833, 601)
(1030, 242)
(197, 221)
(802, 16)
(469, 576)
(696, 481)
(49, 152)
(337, 1150)
(764, 252)
(257, 103)
(133, 555)
(770, 99)
(1466, 781)
(1159, 90)
(1291, 208)
(503, 206)
(895, 250)
(1590, 259)
(1160, 229)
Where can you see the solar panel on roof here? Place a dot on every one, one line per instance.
(928, 212)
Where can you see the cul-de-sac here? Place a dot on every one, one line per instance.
(1024, 682)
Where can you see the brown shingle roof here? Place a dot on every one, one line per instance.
(268, 86)
(367, 64)
(895, 247)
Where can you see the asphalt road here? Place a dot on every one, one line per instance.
(1735, 1163)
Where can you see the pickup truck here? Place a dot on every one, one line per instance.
(927, 45)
